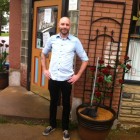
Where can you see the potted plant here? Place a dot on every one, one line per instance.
(4, 74)
(95, 119)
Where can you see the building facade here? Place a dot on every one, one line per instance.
(93, 21)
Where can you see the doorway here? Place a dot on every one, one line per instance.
(46, 16)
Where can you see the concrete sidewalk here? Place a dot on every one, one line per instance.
(18, 103)
(33, 132)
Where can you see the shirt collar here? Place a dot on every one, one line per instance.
(58, 36)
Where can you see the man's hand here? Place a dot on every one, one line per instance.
(47, 74)
(73, 79)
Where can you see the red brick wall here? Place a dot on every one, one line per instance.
(83, 34)
(15, 34)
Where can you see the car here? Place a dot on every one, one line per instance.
(5, 29)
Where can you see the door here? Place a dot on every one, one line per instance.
(46, 16)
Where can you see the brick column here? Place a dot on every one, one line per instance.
(15, 42)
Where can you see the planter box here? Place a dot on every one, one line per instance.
(4, 80)
(95, 128)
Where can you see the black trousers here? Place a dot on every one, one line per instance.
(55, 87)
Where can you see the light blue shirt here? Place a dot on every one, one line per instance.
(62, 55)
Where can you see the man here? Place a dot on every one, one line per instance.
(63, 47)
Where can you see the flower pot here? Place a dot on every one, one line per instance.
(95, 128)
(4, 80)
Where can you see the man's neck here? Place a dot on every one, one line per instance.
(64, 36)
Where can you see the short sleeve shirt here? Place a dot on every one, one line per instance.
(62, 55)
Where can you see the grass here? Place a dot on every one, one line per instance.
(119, 134)
(32, 122)
(72, 125)
(4, 34)
(3, 120)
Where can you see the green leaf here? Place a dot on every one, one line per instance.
(108, 79)
(123, 66)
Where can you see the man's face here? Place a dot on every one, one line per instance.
(64, 26)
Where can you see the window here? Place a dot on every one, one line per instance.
(134, 54)
(134, 45)
(135, 23)
(24, 31)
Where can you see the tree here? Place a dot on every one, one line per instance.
(4, 7)
(4, 20)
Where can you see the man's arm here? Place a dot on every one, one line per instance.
(82, 68)
(75, 77)
(43, 63)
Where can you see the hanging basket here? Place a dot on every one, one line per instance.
(95, 128)
(4, 80)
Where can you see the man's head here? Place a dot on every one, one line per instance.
(64, 26)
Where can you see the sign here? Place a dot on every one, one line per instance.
(72, 4)
(48, 14)
(46, 36)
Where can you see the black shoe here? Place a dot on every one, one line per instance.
(66, 135)
(48, 130)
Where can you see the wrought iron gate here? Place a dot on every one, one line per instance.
(104, 39)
